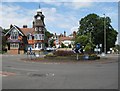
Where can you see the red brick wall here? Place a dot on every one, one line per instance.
(13, 51)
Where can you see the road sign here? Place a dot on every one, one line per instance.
(78, 45)
(30, 49)
(74, 51)
(79, 50)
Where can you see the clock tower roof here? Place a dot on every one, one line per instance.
(39, 10)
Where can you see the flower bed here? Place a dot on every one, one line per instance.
(69, 55)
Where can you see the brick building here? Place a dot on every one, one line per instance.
(19, 39)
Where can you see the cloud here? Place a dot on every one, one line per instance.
(13, 14)
(53, 3)
(61, 0)
(112, 12)
(78, 5)
(74, 29)
(59, 22)
(55, 20)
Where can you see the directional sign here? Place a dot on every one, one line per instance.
(77, 50)
(74, 51)
(30, 49)
(78, 45)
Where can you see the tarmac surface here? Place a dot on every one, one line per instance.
(19, 74)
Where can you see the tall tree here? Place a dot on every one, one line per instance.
(47, 36)
(92, 25)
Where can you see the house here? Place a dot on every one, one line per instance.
(1, 37)
(63, 39)
(1, 32)
(19, 39)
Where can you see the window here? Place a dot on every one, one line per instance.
(14, 45)
(14, 34)
(39, 37)
(29, 37)
(40, 29)
(35, 37)
(42, 37)
(38, 45)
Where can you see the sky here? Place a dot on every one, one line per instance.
(59, 16)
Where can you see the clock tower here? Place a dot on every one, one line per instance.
(39, 30)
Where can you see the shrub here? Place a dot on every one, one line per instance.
(93, 57)
(50, 55)
(63, 53)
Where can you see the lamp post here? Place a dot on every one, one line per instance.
(104, 33)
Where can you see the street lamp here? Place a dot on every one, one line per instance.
(104, 33)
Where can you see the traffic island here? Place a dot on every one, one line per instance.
(74, 57)
(62, 55)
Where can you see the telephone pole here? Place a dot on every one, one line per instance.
(104, 34)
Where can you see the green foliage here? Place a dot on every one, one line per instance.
(88, 48)
(6, 30)
(83, 39)
(52, 42)
(63, 46)
(47, 36)
(69, 55)
(69, 46)
(50, 55)
(117, 47)
(94, 25)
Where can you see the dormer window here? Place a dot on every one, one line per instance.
(14, 34)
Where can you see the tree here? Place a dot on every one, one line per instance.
(4, 40)
(83, 40)
(47, 36)
(63, 46)
(52, 42)
(92, 26)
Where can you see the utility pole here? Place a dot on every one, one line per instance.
(104, 34)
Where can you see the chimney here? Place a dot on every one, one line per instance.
(11, 26)
(74, 34)
(33, 24)
(64, 34)
(24, 26)
(55, 34)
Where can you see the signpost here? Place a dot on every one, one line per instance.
(77, 50)
(29, 52)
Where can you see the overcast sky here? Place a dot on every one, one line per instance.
(59, 16)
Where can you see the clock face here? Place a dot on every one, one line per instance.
(38, 17)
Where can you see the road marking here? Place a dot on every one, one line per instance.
(5, 74)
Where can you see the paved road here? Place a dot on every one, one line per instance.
(18, 74)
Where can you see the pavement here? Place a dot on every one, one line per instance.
(19, 74)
